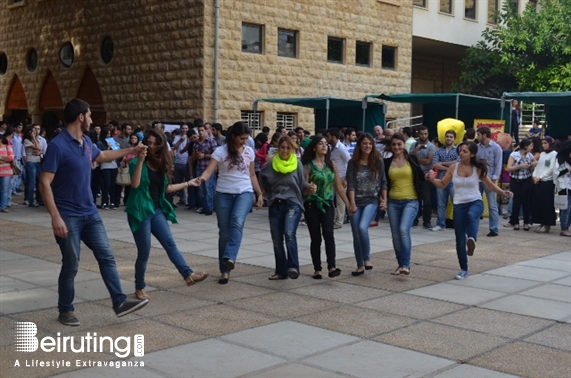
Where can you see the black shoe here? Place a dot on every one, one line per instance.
(357, 273)
(33, 205)
(205, 212)
(130, 306)
(113, 206)
(334, 273)
(223, 281)
(492, 234)
(174, 205)
(415, 223)
(427, 225)
(229, 264)
(68, 318)
(293, 274)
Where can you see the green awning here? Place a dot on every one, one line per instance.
(436, 98)
(315, 102)
(546, 98)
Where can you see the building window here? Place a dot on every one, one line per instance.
(389, 58)
(3, 63)
(107, 50)
(363, 54)
(470, 9)
(335, 49)
(287, 120)
(493, 8)
(252, 38)
(66, 54)
(446, 6)
(32, 60)
(251, 119)
(419, 3)
(515, 5)
(287, 43)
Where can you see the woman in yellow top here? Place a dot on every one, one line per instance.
(404, 176)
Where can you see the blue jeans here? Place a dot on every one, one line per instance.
(360, 222)
(17, 179)
(32, 178)
(401, 215)
(442, 200)
(494, 214)
(90, 230)
(466, 222)
(157, 225)
(5, 187)
(565, 215)
(231, 212)
(284, 219)
(206, 191)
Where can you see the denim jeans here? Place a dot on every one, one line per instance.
(17, 179)
(320, 223)
(181, 174)
(206, 191)
(360, 222)
(32, 178)
(90, 230)
(466, 222)
(442, 200)
(95, 182)
(284, 218)
(401, 215)
(231, 212)
(565, 215)
(494, 214)
(5, 187)
(108, 189)
(157, 225)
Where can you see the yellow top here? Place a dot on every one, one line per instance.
(402, 183)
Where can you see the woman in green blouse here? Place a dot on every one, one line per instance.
(148, 209)
(319, 208)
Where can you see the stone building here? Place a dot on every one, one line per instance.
(146, 60)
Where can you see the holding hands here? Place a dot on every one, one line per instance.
(430, 176)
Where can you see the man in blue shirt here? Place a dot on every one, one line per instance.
(444, 157)
(491, 152)
(65, 184)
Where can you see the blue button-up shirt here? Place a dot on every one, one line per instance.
(492, 154)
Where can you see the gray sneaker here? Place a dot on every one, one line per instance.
(470, 246)
(68, 318)
(130, 306)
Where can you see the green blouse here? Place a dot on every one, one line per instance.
(140, 204)
(324, 179)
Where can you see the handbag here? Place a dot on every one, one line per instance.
(561, 201)
(123, 177)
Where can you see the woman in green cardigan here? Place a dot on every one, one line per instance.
(148, 209)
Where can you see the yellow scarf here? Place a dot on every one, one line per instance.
(284, 166)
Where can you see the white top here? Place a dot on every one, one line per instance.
(181, 158)
(466, 189)
(562, 181)
(340, 156)
(233, 179)
(545, 165)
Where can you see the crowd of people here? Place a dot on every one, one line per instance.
(324, 181)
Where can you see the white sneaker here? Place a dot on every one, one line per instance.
(437, 228)
(26, 203)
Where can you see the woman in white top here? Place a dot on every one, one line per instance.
(468, 206)
(234, 197)
(562, 180)
(542, 206)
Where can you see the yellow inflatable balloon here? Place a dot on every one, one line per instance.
(450, 124)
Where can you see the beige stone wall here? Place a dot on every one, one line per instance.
(156, 72)
(440, 71)
(245, 77)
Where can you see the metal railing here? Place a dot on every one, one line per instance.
(403, 122)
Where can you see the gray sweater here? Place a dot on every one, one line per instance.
(287, 186)
(367, 190)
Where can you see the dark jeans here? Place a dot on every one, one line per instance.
(108, 189)
(424, 199)
(32, 179)
(95, 182)
(522, 197)
(466, 222)
(181, 174)
(321, 223)
(118, 190)
(284, 218)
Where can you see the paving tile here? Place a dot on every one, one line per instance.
(440, 340)
(49, 277)
(296, 340)
(457, 293)
(8, 284)
(212, 291)
(284, 305)
(469, 371)
(6, 331)
(526, 360)
(356, 321)
(295, 370)
(538, 307)
(528, 273)
(411, 306)
(26, 265)
(261, 280)
(369, 359)
(495, 283)
(431, 273)
(216, 320)
(548, 263)
(166, 302)
(209, 358)
(555, 292)
(565, 256)
(340, 292)
(556, 336)
(27, 300)
(94, 289)
(564, 281)
(385, 281)
(5, 255)
(494, 322)
(126, 372)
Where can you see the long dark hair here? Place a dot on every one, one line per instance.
(309, 153)
(161, 159)
(9, 131)
(28, 132)
(236, 130)
(373, 158)
(478, 163)
(537, 148)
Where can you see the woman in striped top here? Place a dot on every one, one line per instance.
(6, 172)
(519, 166)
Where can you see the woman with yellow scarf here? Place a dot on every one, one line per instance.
(283, 184)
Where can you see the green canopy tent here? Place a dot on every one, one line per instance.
(557, 109)
(337, 112)
(437, 106)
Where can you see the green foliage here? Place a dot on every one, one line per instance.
(527, 52)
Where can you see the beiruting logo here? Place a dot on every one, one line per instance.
(26, 341)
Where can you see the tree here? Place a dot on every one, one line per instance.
(527, 52)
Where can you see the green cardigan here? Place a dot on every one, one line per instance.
(140, 204)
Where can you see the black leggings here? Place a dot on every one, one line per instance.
(522, 197)
(320, 223)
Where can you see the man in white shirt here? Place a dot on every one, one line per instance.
(44, 146)
(340, 156)
(408, 133)
(181, 172)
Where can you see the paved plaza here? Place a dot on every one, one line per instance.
(510, 317)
